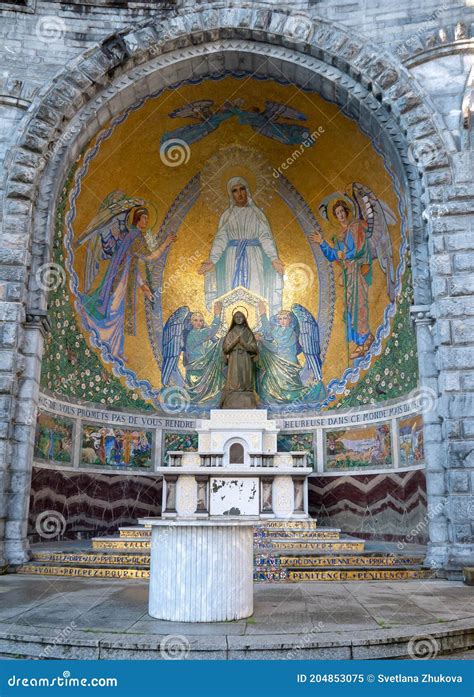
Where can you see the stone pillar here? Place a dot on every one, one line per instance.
(283, 496)
(22, 440)
(435, 449)
(11, 316)
(451, 450)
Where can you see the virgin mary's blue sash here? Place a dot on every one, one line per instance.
(241, 272)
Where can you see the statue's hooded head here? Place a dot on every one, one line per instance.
(238, 320)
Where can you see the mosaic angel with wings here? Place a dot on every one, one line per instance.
(186, 335)
(281, 340)
(363, 221)
(206, 118)
(118, 241)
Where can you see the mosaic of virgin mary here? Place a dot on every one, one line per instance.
(244, 252)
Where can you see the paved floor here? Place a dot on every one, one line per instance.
(121, 606)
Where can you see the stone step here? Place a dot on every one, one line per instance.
(125, 543)
(262, 562)
(93, 558)
(345, 544)
(83, 571)
(291, 576)
(360, 575)
(331, 543)
(270, 527)
(343, 559)
(140, 532)
(304, 523)
(299, 534)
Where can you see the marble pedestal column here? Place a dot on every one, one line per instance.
(200, 570)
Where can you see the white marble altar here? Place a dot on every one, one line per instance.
(202, 548)
(201, 570)
(234, 496)
(237, 471)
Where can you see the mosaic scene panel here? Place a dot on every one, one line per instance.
(53, 438)
(186, 442)
(297, 441)
(118, 448)
(411, 441)
(358, 448)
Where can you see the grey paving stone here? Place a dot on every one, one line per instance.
(148, 625)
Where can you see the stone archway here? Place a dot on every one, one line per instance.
(370, 88)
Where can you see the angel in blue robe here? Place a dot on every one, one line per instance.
(281, 377)
(267, 122)
(206, 120)
(186, 333)
(363, 221)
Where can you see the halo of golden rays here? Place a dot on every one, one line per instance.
(240, 308)
(236, 161)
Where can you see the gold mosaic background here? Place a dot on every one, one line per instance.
(130, 161)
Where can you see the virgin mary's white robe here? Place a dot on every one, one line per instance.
(242, 253)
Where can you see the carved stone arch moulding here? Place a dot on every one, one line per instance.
(434, 43)
(372, 84)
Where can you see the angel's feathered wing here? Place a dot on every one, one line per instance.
(173, 342)
(378, 217)
(276, 110)
(102, 246)
(192, 110)
(309, 339)
(267, 123)
(104, 232)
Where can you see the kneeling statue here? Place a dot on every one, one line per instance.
(240, 353)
